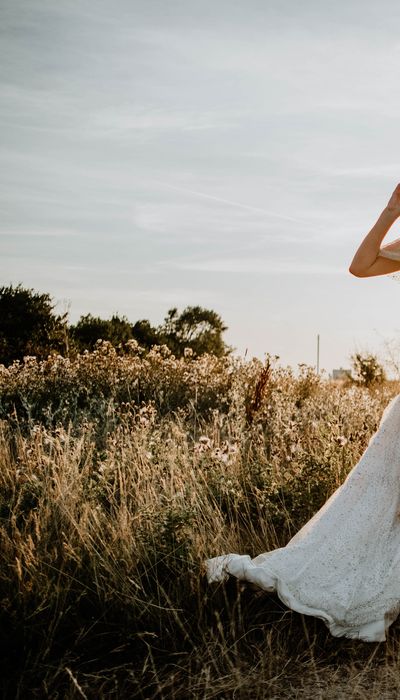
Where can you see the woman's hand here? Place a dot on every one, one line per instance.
(393, 204)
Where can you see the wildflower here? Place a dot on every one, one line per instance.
(233, 448)
(341, 440)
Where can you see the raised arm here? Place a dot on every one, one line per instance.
(369, 259)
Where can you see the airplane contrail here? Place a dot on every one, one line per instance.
(228, 201)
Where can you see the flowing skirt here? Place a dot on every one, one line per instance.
(343, 566)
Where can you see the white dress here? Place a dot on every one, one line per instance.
(343, 566)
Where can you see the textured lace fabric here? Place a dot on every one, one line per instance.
(343, 566)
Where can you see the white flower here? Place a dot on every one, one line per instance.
(204, 440)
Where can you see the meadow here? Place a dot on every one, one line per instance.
(120, 475)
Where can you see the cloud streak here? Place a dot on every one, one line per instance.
(264, 266)
(229, 202)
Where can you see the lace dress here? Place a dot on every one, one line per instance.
(343, 566)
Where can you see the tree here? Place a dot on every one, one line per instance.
(90, 328)
(197, 328)
(367, 369)
(28, 325)
(145, 334)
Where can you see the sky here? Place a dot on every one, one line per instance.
(231, 155)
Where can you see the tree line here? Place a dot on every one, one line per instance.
(29, 325)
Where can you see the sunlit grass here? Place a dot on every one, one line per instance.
(120, 476)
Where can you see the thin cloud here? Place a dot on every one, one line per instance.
(253, 265)
(231, 203)
(368, 171)
(132, 119)
(195, 222)
(42, 233)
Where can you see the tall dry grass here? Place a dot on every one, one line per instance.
(119, 476)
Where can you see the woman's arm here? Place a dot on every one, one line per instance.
(367, 262)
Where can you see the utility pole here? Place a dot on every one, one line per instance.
(318, 353)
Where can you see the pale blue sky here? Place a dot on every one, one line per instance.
(226, 154)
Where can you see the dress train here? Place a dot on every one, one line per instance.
(343, 565)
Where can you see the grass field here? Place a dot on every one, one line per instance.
(119, 476)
